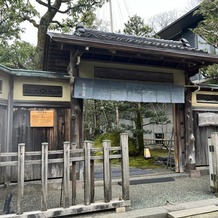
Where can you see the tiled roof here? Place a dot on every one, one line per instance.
(30, 73)
(81, 31)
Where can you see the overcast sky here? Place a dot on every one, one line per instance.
(123, 9)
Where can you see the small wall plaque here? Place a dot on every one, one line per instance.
(42, 118)
(42, 90)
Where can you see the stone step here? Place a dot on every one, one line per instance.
(200, 212)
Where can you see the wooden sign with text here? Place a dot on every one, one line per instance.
(42, 118)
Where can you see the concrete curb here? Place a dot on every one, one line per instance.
(157, 212)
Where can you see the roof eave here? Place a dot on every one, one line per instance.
(198, 56)
(175, 28)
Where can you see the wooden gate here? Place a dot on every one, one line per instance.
(70, 158)
(201, 135)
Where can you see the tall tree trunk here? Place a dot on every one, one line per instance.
(42, 31)
(139, 129)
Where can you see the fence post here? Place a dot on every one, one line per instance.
(125, 165)
(87, 173)
(44, 175)
(92, 172)
(214, 142)
(20, 172)
(211, 163)
(107, 171)
(73, 178)
(66, 179)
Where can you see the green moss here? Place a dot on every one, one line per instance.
(159, 152)
(142, 163)
(114, 137)
(134, 161)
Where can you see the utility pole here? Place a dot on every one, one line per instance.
(111, 16)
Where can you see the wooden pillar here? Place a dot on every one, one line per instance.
(176, 138)
(76, 104)
(189, 132)
(9, 131)
(179, 147)
(76, 133)
(76, 122)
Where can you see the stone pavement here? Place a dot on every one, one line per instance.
(189, 204)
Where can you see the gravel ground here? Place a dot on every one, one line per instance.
(142, 196)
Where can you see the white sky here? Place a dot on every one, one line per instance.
(122, 9)
(144, 8)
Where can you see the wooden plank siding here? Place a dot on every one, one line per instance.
(201, 140)
(34, 136)
(3, 136)
(179, 138)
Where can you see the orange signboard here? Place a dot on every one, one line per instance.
(42, 118)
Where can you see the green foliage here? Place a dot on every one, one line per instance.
(99, 116)
(208, 30)
(136, 26)
(66, 25)
(212, 73)
(20, 54)
(114, 137)
(137, 112)
(12, 14)
(133, 152)
(135, 160)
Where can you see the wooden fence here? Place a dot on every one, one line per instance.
(70, 158)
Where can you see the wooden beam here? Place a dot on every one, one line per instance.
(73, 210)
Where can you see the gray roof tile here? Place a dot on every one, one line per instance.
(134, 40)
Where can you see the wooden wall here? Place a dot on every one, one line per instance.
(3, 127)
(3, 136)
(34, 136)
(201, 144)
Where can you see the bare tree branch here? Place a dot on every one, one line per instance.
(68, 9)
(35, 24)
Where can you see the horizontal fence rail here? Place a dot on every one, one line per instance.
(69, 160)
